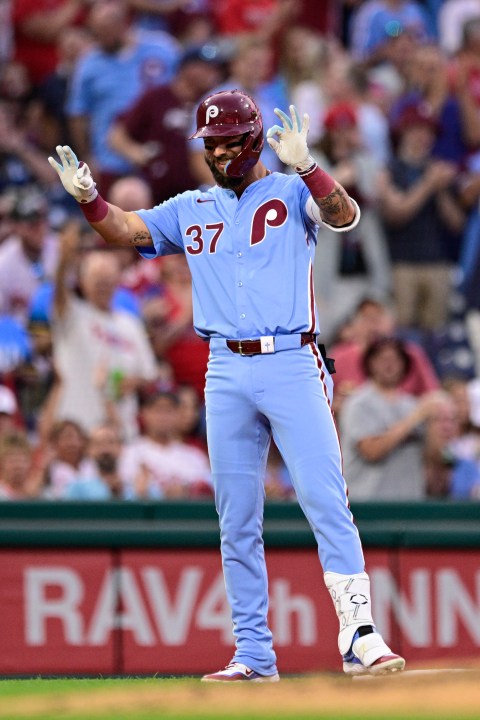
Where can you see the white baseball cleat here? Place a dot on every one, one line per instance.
(369, 655)
(237, 672)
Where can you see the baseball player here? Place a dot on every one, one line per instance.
(250, 242)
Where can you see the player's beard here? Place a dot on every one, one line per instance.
(224, 181)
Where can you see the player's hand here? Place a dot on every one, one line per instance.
(291, 145)
(75, 176)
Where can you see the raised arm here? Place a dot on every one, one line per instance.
(336, 207)
(116, 226)
(46, 24)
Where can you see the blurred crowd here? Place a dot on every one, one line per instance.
(101, 373)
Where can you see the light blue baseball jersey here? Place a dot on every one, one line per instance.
(250, 258)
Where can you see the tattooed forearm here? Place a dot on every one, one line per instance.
(336, 208)
(123, 228)
(141, 238)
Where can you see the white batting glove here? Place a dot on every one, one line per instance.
(291, 146)
(75, 176)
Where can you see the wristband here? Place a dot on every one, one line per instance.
(96, 210)
(318, 181)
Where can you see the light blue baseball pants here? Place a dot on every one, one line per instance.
(285, 394)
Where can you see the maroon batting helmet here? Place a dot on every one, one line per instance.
(230, 113)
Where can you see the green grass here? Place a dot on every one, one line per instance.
(44, 686)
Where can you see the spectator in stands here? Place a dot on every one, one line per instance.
(17, 476)
(157, 464)
(469, 186)
(428, 86)
(195, 28)
(191, 417)
(264, 18)
(165, 379)
(377, 21)
(109, 79)
(423, 221)
(172, 16)
(104, 449)
(10, 419)
(152, 134)
(381, 428)
(15, 348)
(190, 21)
(169, 320)
(52, 93)
(250, 70)
(130, 193)
(306, 58)
(452, 16)
(28, 256)
(466, 398)
(75, 231)
(103, 355)
(38, 24)
(353, 84)
(465, 64)
(387, 76)
(21, 162)
(469, 261)
(447, 473)
(49, 124)
(17, 90)
(64, 459)
(347, 268)
(35, 376)
(372, 320)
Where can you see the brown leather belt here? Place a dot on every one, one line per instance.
(254, 347)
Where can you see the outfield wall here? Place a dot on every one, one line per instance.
(134, 588)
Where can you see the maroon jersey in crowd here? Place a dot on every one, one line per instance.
(160, 117)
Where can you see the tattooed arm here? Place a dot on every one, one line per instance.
(337, 208)
(123, 228)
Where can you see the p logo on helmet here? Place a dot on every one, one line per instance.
(212, 112)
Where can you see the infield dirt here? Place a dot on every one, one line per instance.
(416, 694)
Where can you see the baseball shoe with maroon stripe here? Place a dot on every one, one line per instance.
(237, 672)
(369, 655)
